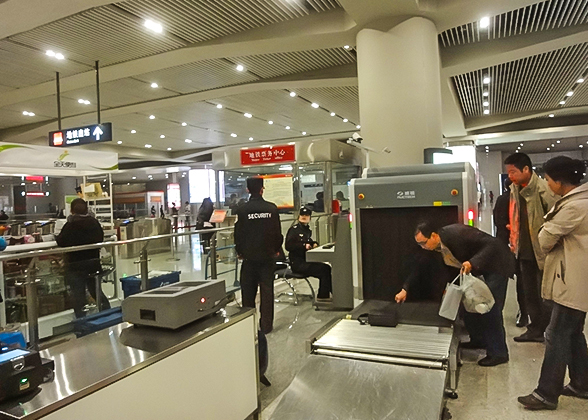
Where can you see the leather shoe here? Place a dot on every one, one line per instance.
(471, 345)
(533, 403)
(529, 337)
(569, 392)
(493, 360)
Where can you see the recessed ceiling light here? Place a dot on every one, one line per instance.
(580, 146)
(151, 117)
(154, 26)
(304, 133)
(562, 102)
(552, 145)
(358, 126)
(314, 105)
(184, 124)
(484, 22)
(219, 106)
(292, 94)
(519, 148)
(333, 114)
(346, 47)
(570, 93)
(345, 120)
(558, 142)
(548, 148)
(580, 80)
(50, 53)
(270, 122)
(162, 136)
(83, 101)
(148, 146)
(59, 56)
(119, 142)
(517, 151)
(154, 85)
(250, 138)
(240, 67)
(133, 131)
(486, 103)
(248, 115)
(485, 94)
(134, 177)
(188, 141)
(28, 114)
(486, 80)
(486, 111)
(551, 115)
(169, 148)
(521, 145)
(287, 127)
(233, 135)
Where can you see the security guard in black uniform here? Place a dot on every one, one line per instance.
(258, 241)
(298, 241)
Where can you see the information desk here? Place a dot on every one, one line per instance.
(206, 370)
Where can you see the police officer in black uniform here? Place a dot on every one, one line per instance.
(258, 241)
(298, 241)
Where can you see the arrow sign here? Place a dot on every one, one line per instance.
(98, 132)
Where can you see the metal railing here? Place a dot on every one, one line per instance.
(31, 278)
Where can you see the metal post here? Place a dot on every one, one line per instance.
(98, 278)
(213, 271)
(217, 189)
(296, 186)
(58, 89)
(144, 261)
(32, 306)
(328, 197)
(98, 90)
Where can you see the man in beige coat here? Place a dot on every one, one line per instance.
(564, 240)
(530, 200)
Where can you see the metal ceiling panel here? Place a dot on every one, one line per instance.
(11, 118)
(541, 16)
(46, 108)
(104, 33)
(344, 101)
(21, 66)
(198, 76)
(280, 64)
(202, 20)
(529, 84)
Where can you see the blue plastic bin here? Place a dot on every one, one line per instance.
(13, 339)
(132, 284)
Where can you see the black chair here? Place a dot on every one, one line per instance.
(284, 273)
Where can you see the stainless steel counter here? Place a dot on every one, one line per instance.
(93, 362)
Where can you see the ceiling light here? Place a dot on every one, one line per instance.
(168, 149)
(333, 114)
(486, 80)
(240, 67)
(134, 177)
(184, 124)
(485, 94)
(558, 142)
(519, 148)
(314, 105)
(562, 102)
(580, 81)
(59, 56)
(219, 106)
(486, 111)
(580, 146)
(346, 47)
(486, 103)
(133, 131)
(345, 120)
(188, 141)
(233, 135)
(250, 138)
(304, 133)
(358, 126)
(270, 122)
(292, 94)
(287, 127)
(50, 53)
(484, 22)
(162, 136)
(570, 93)
(167, 175)
(551, 115)
(552, 145)
(522, 145)
(83, 101)
(151, 117)
(148, 146)
(548, 149)
(154, 26)
(154, 85)
(517, 151)
(248, 115)
(28, 114)
(119, 142)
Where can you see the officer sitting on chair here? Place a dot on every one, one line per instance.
(298, 241)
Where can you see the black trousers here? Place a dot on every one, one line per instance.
(254, 273)
(78, 281)
(538, 310)
(319, 270)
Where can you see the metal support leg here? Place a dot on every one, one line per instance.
(32, 306)
(213, 270)
(144, 261)
(98, 285)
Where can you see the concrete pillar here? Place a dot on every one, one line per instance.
(400, 91)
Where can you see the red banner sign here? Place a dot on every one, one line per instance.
(272, 154)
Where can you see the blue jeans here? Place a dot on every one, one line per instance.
(565, 346)
(488, 329)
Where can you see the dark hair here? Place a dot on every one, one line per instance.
(519, 160)
(425, 227)
(507, 183)
(79, 206)
(254, 185)
(320, 195)
(565, 170)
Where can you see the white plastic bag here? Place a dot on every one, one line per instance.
(451, 300)
(477, 297)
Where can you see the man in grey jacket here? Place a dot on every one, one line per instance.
(530, 200)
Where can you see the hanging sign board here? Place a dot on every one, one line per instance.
(96, 133)
(271, 154)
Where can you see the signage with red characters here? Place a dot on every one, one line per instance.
(271, 154)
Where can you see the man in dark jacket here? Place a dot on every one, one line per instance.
(258, 241)
(472, 250)
(298, 241)
(82, 229)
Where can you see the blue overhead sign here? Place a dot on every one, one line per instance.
(81, 135)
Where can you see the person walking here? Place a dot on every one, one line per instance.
(530, 200)
(258, 241)
(564, 239)
(188, 214)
